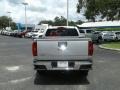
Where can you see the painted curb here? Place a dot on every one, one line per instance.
(108, 48)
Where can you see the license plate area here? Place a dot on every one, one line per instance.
(62, 64)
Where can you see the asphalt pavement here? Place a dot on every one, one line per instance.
(17, 73)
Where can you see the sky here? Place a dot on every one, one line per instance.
(38, 10)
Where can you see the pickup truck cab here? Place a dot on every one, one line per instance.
(62, 48)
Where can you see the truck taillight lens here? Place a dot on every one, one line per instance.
(34, 48)
(90, 48)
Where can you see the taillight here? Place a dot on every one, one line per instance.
(90, 48)
(34, 48)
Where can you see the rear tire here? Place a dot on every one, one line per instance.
(99, 40)
(41, 72)
(84, 72)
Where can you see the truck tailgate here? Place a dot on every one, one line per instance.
(73, 49)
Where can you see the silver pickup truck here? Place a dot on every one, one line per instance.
(62, 48)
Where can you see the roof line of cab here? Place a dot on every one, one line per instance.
(61, 27)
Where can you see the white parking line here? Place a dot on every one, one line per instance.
(19, 80)
(100, 61)
(15, 81)
(13, 68)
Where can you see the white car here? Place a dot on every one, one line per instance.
(108, 35)
(29, 34)
(117, 34)
(5, 32)
(91, 33)
(9, 32)
(38, 34)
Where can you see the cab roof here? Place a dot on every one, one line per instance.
(55, 27)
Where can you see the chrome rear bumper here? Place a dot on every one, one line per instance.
(52, 65)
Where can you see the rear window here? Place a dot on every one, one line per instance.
(62, 32)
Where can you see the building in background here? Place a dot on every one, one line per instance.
(21, 27)
(41, 27)
(103, 24)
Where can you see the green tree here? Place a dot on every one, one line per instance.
(13, 25)
(79, 22)
(109, 9)
(50, 22)
(60, 21)
(4, 22)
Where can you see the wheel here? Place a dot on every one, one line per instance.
(41, 72)
(105, 40)
(116, 38)
(23, 36)
(99, 40)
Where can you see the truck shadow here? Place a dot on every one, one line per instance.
(59, 78)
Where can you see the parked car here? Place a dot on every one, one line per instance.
(96, 37)
(64, 49)
(15, 33)
(21, 34)
(9, 33)
(108, 35)
(38, 34)
(117, 34)
(30, 34)
(90, 33)
(0, 31)
(4, 32)
(86, 32)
